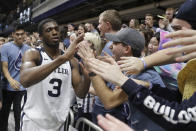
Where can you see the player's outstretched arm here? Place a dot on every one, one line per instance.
(80, 82)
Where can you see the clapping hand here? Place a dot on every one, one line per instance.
(108, 71)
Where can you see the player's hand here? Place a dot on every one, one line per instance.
(131, 65)
(14, 84)
(84, 50)
(79, 38)
(69, 53)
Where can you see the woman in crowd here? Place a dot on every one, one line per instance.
(134, 24)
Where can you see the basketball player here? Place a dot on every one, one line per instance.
(49, 75)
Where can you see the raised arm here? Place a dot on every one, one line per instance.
(168, 114)
(32, 72)
(109, 98)
(183, 39)
(30, 68)
(80, 82)
(133, 65)
(186, 39)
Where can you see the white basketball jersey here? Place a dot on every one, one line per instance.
(48, 101)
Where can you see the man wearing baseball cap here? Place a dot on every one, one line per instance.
(129, 42)
(126, 42)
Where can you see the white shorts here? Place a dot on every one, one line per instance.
(28, 125)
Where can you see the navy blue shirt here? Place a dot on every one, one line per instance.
(171, 114)
(139, 121)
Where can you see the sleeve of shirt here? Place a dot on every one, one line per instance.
(172, 95)
(4, 54)
(168, 114)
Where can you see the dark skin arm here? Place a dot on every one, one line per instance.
(81, 83)
(30, 68)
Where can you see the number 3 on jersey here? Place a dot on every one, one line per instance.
(56, 91)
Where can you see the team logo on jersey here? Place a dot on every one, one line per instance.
(18, 61)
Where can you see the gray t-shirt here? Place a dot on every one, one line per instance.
(12, 54)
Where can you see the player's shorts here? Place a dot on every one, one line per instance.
(28, 125)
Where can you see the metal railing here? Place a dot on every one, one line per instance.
(69, 120)
(89, 125)
(82, 124)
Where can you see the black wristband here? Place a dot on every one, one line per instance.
(91, 74)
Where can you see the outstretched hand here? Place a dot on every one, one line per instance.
(106, 58)
(84, 51)
(108, 71)
(110, 123)
(69, 53)
(187, 41)
(131, 65)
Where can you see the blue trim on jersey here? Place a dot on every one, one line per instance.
(25, 99)
(43, 50)
(41, 58)
(88, 102)
(22, 116)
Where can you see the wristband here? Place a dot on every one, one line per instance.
(91, 74)
(144, 63)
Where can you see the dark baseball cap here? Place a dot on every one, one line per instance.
(187, 12)
(128, 36)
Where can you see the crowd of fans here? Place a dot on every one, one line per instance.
(124, 76)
